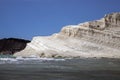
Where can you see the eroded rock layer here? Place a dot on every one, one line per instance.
(105, 31)
(100, 38)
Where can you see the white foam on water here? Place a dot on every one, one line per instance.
(8, 59)
(53, 59)
(21, 59)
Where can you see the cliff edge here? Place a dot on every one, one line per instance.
(99, 38)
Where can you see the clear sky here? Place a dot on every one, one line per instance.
(29, 18)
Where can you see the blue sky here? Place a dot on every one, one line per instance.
(28, 18)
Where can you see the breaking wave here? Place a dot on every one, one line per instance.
(27, 60)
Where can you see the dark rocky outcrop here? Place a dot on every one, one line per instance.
(12, 45)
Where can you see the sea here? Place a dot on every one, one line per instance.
(33, 68)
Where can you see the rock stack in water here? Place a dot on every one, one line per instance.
(100, 38)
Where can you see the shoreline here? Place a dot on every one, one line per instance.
(37, 57)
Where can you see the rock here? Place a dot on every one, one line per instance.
(105, 31)
(12, 45)
(100, 38)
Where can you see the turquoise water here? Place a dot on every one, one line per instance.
(59, 69)
(6, 56)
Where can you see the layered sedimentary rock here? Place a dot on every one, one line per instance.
(100, 38)
(12, 45)
(105, 31)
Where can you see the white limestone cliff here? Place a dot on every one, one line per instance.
(100, 38)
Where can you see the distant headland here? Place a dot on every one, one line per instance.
(12, 45)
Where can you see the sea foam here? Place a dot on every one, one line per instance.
(22, 60)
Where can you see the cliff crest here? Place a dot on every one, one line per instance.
(104, 31)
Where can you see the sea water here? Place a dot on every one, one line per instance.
(12, 68)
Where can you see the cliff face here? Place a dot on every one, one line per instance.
(12, 45)
(98, 38)
(105, 31)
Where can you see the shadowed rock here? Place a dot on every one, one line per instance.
(12, 45)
